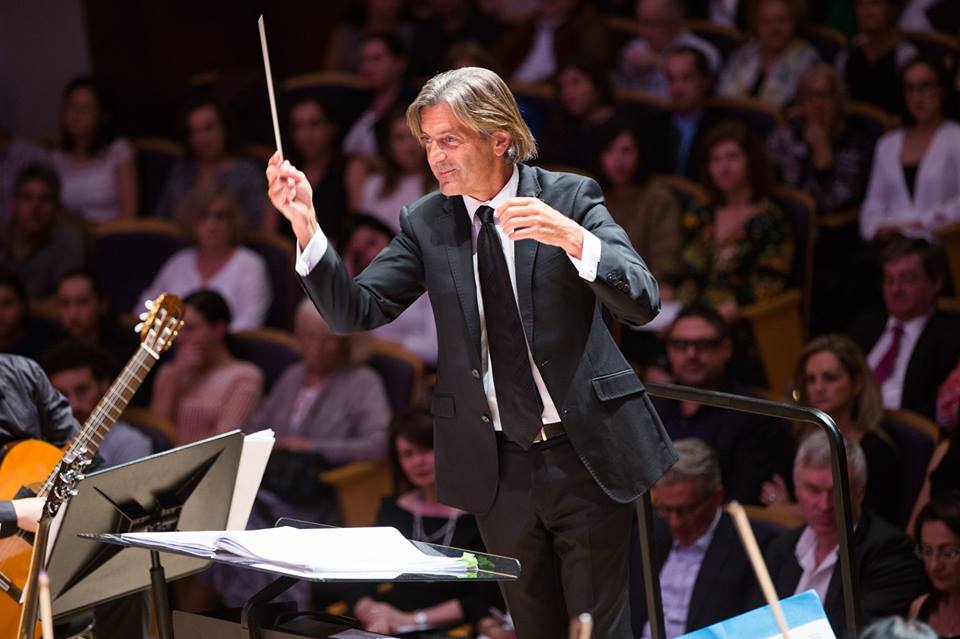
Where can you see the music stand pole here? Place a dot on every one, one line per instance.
(161, 598)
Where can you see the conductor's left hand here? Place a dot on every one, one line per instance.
(529, 218)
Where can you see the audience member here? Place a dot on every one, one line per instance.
(738, 249)
(805, 558)
(749, 448)
(705, 576)
(383, 67)
(416, 513)
(898, 628)
(314, 147)
(660, 29)
(678, 136)
(203, 389)
(911, 346)
(535, 50)
(587, 106)
(402, 177)
(728, 13)
(415, 329)
(870, 66)
(369, 16)
(97, 170)
(647, 210)
(832, 376)
(16, 154)
(20, 332)
(210, 160)
(817, 151)
(39, 245)
(914, 16)
(32, 408)
(937, 534)
(915, 180)
(768, 65)
(84, 314)
(84, 372)
(216, 260)
(449, 23)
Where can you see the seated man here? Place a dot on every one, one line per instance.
(750, 448)
(889, 574)
(705, 576)
(83, 373)
(20, 332)
(39, 246)
(83, 312)
(911, 346)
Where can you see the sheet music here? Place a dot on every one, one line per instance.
(253, 462)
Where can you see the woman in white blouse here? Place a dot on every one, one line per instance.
(98, 173)
(216, 261)
(915, 181)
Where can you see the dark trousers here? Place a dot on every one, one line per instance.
(572, 541)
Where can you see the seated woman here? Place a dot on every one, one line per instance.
(738, 249)
(204, 390)
(313, 146)
(216, 260)
(833, 376)
(98, 171)
(937, 533)
(817, 151)
(402, 177)
(768, 65)
(914, 185)
(871, 63)
(209, 160)
(646, 210)
(417, 514)
(586, 102)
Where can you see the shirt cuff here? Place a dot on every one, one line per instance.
(589, 257)
(312, 253)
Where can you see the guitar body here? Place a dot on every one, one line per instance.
(27, 463)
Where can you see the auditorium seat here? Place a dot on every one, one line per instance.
(343, 95)
(940, 46)
(760, 116)
(155, 159)
(161, 432)
(279, 253)
(273, 351)
(915, 437)
(537, 103)
(359, 487)
(401, 371)
(949, 237)
(725, 39)
(827, 41)
(688, 193)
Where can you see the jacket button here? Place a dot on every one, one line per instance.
(485, 418)
(475, 373)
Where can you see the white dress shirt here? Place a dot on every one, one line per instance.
(892, 389)
(586, 268)
(815, 576)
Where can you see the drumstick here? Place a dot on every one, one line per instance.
(739, 515)
(273, 100)
(46, 609)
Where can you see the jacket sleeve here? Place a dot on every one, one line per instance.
(8, 519)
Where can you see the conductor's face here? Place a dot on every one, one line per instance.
(463, 161)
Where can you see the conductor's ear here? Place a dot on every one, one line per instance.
(501, 142)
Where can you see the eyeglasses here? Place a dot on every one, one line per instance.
(947, 553)
(699, 345)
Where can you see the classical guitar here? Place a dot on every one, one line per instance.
(32, 466)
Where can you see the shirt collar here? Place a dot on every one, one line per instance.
(805, 549)
(508, 191)
(702, 542)
(910, 327)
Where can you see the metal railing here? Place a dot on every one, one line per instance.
(841, 495)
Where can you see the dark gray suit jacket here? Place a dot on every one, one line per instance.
(605, 410)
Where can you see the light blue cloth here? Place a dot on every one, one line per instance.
(798, 610)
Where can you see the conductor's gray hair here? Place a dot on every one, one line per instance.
(897, 628)
(696, 462)
(814, 452)
(481, 100)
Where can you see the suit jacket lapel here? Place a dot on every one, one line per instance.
(525, 254)
(459, 242)
(710, 569)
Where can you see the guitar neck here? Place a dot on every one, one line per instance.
(109, 408)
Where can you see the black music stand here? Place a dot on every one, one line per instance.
(187, 488)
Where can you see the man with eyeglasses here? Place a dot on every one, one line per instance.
(806, 558)
(750, 448)
(705, 576)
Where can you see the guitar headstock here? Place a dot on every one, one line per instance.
(68, 474)
(161, 322)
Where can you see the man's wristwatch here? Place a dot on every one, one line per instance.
(420, 618)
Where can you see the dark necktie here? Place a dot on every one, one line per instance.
(517, 398)
(886, 364)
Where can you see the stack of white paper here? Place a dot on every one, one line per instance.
(311, 550)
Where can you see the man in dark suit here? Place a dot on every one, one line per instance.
(911, 347)
(889, 574)
(705, 575)
(542, 428)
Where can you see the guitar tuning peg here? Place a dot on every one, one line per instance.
(149, 304)
(143, 316)
(138, 327)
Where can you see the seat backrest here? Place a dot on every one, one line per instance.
(155, 159)
(761, 117)
(343, 95)
(279, 253)
(537, 104)
(937, 45)
(162, 433)
(401, 371)
(642, 109)
(725, 39)
(827, 41)
(689, 194)
(272, 351)
(915, 438)
(128, 254)
(801, 209)
(869, 120)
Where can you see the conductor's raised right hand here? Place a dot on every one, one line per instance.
(291, 194)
